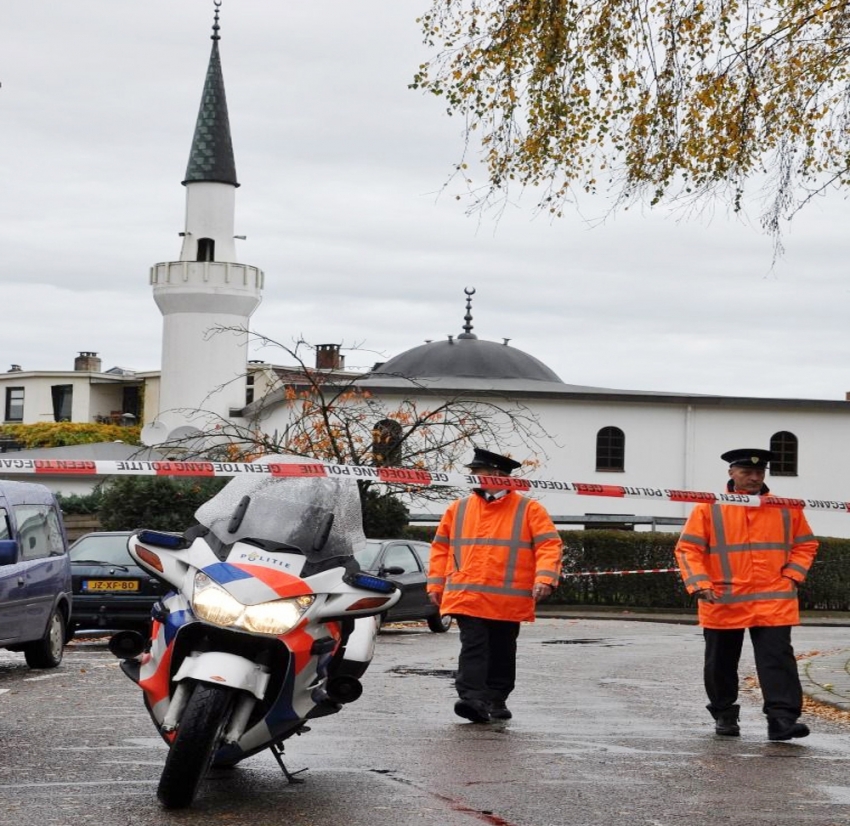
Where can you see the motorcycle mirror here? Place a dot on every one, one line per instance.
(238, 514)
(323, 532)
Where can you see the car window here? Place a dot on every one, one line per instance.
(40, 532)
(368, 555)
(424, 551)
(400, 556)
(5, 530)
(108, 548)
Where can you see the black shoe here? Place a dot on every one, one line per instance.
(726, 722)
(499, 711)
(785, 728)
(474, 710)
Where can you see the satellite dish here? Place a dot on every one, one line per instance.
(154, 433)
(187, 439)
(185, 431)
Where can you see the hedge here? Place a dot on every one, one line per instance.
(61, 434)
(826, 589)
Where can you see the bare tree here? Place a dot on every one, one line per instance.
(335, 416)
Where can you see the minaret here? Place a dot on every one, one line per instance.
(203, 371)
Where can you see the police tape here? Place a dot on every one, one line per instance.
(409, 477)
(620, 573)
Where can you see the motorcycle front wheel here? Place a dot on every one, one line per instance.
(192, 750)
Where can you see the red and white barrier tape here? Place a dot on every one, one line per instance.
(621, 573)
(412, 477)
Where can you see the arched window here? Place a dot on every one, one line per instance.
(386, 443)
(610, 450)
(206, 249)
(785, 449)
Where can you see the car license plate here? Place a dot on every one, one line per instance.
(110, 585)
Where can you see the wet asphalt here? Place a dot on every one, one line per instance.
(824, 675)
(610, 728)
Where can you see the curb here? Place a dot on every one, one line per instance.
(826, 679)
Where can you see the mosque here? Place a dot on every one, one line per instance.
(644, 441)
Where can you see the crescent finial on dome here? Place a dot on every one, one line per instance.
(467, 327)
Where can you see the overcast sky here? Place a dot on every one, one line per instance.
(341, 169)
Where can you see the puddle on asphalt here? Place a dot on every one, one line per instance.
(837, 794)
(604, 643)
(401, 671)
(144, 742)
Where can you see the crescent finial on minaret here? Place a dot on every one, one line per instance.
(216, 27)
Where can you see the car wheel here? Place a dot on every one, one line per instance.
(47, 652)
(440, 624)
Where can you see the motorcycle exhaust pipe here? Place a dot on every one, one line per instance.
(127, 644)
(344, 689)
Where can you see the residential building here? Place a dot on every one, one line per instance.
(85, 394)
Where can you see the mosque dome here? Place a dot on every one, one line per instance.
(468, 357)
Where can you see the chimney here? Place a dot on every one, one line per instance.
(15, 368)
(328, 357)
(87, 362)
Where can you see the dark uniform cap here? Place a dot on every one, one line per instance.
(747, 457)
(485, 458)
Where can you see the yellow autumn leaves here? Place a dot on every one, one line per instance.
(666, 99)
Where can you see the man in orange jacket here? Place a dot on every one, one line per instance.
(494, 555)
(744, 564)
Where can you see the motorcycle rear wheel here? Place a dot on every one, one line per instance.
(192, 751)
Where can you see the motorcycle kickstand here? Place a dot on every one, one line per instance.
(277, 751)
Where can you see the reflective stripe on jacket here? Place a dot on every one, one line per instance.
(487, 556)
(749, 557)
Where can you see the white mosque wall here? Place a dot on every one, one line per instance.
(672, 445)
(679, 446)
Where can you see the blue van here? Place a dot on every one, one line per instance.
(35, 574)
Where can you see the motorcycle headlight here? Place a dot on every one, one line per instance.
(276, 617)
(213, 604)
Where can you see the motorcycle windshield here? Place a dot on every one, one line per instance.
(289, 511)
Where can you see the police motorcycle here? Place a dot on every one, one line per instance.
(269, 623)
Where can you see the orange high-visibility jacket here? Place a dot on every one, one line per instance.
(487, 556)
(753, 559)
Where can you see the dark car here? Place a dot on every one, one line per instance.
(406, 563)
(111, 592)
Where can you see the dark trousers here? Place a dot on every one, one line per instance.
(775, 666)
(486, 666)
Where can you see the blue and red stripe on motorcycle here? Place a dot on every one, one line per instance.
(252, 584)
